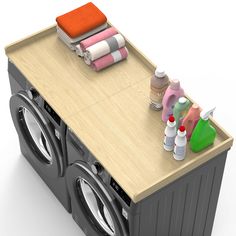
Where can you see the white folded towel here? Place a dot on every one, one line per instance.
(66, 42)
(83, 36)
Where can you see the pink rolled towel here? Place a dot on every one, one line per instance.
(81, 47)
(110, 59)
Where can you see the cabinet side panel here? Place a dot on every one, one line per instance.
(211, 208)
(190, 207)
(165, 213)
(187, 206)
(203, 201)
(179, 203)
(150, 212)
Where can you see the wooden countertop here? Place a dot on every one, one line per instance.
(109, 111)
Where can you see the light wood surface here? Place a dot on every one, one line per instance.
(63, 78)
(109, 111)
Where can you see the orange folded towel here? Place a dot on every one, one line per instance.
(81, 20)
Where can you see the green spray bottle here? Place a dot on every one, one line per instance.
(204, 134)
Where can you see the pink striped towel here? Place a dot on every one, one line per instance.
(110, 59)
(81, 47)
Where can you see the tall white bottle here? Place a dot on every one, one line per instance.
(170, 134)
(180, 144)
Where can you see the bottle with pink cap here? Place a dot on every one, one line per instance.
(172, 94)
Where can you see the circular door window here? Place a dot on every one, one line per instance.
(38, 136)
(97, 207)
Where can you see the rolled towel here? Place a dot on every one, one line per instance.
(81, 48)
(79, 51)
(110, 59)
(103, 47)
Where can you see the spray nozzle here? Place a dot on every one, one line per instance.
(206, 113)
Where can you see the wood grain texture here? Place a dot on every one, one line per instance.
(63, 78)
(109, 111)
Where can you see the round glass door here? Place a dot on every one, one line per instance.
(97, 207)
(38, 136)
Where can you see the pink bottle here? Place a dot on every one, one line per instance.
(172, 94)
(191, 119)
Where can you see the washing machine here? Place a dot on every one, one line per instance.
(41, 134)
(102, 208)
(99, 205)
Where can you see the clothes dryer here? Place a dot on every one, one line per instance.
(41, 134)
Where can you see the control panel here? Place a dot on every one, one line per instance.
(120, 191)
(52, 113)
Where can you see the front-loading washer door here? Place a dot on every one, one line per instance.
(35, 132)
(95, 208)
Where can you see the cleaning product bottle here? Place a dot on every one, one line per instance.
(170, 133)
(172, 94)
(204, 134)
(158, 85)
(180, 144)
(191, 119)
(180, 110)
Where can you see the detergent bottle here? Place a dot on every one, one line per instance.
(180, 110)
(191, 119)
(204, 134)
(172, 94)
(158, 85)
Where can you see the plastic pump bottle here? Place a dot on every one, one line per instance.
(180, 110)
(204, 134)
(158, 85)
(172, 94)
(191, 119)
(170, 133)
(180, 144)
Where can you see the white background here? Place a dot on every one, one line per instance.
(195, 41)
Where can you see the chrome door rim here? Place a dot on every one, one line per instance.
(97, 207)
(37, 134)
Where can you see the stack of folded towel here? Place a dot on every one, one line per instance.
(85, 31)
(103, 49)
(79, 24)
